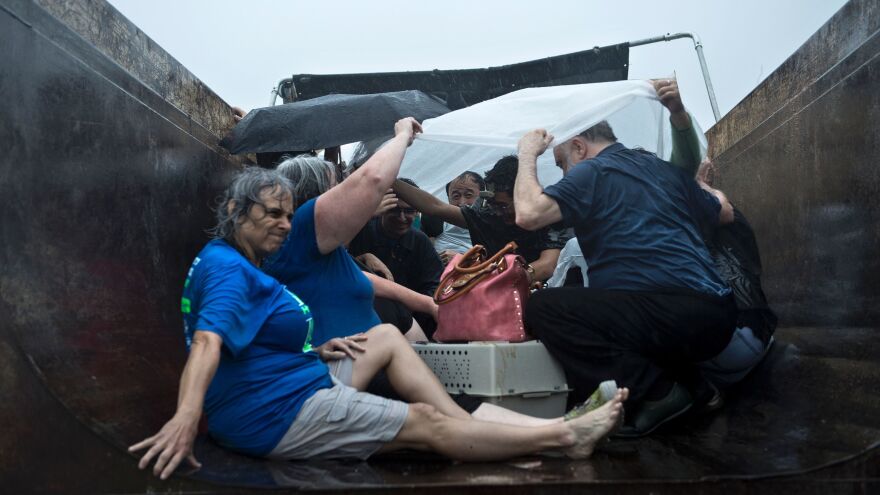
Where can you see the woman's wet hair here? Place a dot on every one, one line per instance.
(243, 193)
(473, 176)
(309, 175)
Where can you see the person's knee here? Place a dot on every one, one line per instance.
(425, 427)
(540, 301)
(535, 313)
(388, 338)
(424, 411)
(384, 332)
(430, 420)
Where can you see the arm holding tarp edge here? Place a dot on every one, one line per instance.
(686, 153)
(686, 149)
(428, 204)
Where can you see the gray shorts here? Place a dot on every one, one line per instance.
(341, 422)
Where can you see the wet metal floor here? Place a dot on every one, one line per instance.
(812, 403)
(109, 193)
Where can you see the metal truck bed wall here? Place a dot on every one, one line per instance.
(110, 167)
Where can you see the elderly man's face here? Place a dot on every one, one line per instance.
(463, 192)
(562, 155)
(398, 221)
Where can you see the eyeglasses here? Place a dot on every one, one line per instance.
(407, 212)
(500, 207)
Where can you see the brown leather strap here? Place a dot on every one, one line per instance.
(479, 249)
(464, 278)
(474, 255)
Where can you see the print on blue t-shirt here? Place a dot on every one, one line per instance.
(339, 295)
(265, 371)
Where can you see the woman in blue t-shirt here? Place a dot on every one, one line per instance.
(267, 391)
(324, 279)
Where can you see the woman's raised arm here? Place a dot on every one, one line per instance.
(341, 212)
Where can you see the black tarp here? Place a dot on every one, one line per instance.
(461, 88)
(327, 121)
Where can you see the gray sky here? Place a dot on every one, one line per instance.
(241, 49)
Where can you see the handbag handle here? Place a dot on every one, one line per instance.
(470, 275)
(476, 252)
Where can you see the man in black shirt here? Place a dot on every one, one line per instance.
(407, 252)
(491, 222)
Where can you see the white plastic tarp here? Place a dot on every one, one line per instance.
(474, 138)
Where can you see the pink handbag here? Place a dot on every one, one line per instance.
(482, 299)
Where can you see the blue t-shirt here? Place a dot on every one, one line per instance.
(266, 369)
(636, 218)
(336, 290)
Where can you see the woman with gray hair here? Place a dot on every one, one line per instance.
(267, 391)
(339, 293)
(393, 303)
(310, 176)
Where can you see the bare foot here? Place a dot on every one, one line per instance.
(594, 426)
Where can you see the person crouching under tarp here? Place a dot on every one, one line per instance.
(655, 300)
(735, 250)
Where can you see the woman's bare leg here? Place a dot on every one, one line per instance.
(415, 382)
(428, 429)
(409, 375)
(415, 333)
(496, 414)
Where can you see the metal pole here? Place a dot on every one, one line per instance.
(698, 46)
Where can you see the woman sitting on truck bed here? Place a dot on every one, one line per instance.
(393, 303)
(339, 296)
(267, 392)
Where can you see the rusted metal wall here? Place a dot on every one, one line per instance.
(107, 190)
(847, 30)
(800, 157)
(119, 39)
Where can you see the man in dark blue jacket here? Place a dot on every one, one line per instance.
(655, 304)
